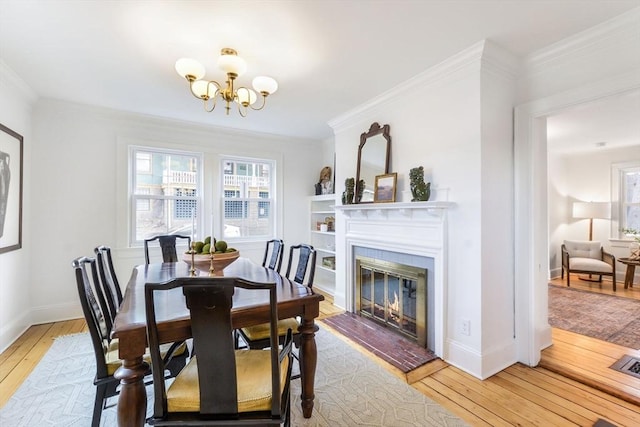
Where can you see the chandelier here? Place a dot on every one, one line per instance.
(209, 91)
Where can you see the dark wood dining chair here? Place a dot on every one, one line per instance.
(99, 325)
(109, 280)
(273, 253)
(257, 337)
(96, 313)
(167, 245)
(220, 385)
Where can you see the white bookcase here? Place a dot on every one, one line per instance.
(320, 208)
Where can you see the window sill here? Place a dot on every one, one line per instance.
(620, 243)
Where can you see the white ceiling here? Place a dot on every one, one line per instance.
(608, 123)
(327, 56)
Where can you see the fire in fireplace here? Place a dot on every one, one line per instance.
(393, 294)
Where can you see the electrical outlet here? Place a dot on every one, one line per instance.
(465, 327)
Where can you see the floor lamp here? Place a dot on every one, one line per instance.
(591, 210)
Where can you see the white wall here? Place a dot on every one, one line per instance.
(455, 120)
(79, 169)
(15, 113)
(582, 177)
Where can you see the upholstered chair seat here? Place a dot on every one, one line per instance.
(261, 332)
(253, 370)
(114, 362)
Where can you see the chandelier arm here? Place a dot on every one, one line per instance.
(264, 102)
(209, 84)
(205, 103)
(242, 112)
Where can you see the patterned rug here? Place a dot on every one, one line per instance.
(351, 390)
(605, 317)
(388, 345)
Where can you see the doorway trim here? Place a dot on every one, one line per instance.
(533, 332)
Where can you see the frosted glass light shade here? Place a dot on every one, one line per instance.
(246, 96)
(600, 210)
(199, 88)
(232, 64)
(265, 84)
(190, 67)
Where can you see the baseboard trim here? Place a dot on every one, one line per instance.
(10, 332)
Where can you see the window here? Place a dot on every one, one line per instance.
(164, 192)
(248, 197)
(625, 178)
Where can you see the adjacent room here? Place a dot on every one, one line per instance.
(445, 238)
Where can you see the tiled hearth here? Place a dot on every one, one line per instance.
(379, 340)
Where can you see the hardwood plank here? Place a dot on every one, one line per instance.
(603, 404)
(554, 403)
(425, 370)
(458, 403)
(527, 411)
(17, 351)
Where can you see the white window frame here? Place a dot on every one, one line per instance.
(135, 198)
(618, 202)
(272, 218)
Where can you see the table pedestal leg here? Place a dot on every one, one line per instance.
(308, 355)
(628, 277)
(132, 403)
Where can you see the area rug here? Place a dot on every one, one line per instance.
(383, 342)
(605, 317)
(351, 390)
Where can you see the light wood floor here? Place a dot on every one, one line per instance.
(519, 395)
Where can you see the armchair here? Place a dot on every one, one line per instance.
(587, 257)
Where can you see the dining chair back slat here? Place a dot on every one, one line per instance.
(167, 246)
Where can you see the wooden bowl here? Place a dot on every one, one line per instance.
(203, 261)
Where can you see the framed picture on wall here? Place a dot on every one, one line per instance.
(11, 152)
(385, 190)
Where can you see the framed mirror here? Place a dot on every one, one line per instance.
(373, 159)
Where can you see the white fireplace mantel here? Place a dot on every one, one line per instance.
(404, 208)
(413, 228)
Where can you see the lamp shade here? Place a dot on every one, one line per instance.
(230, 62)
(264, 84)
(592, 210)
(190, 67)
(246, 96)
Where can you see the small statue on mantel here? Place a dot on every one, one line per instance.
(359, 190)
(347, 195)
(420, 190)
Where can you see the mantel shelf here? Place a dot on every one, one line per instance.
(395, 206)
(404, 209)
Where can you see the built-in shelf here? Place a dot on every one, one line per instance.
(332, 233)
(320, 208)
(326, 251)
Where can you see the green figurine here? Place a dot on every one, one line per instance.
(420, 190)
(347, 195)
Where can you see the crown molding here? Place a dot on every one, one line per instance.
(621, 29)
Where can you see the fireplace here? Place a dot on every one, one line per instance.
(394, 295)
(413, 234)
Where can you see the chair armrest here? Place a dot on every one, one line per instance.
(565, 256)
(608, 258)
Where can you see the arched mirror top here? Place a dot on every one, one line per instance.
(373, 158)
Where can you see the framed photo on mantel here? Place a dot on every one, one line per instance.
(385, 190)
(11, 152)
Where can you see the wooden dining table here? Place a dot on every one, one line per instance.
(249, 308)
